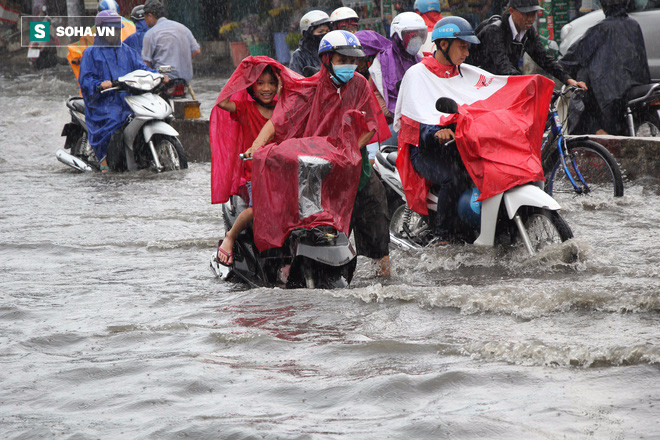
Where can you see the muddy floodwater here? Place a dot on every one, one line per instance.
(112, 326)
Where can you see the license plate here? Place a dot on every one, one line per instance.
(33, 52)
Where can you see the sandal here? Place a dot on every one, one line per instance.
(104, 168)
(229, 255)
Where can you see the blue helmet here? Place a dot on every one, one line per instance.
(469, 210)
(108, 5)
(454, 27)
(424, 6)
(342, 42)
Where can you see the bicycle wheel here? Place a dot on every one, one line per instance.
(592, 167)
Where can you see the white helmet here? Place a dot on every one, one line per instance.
(313, 19)
(343, 13)
(405, 22)
(342, 42)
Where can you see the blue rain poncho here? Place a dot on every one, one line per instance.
(105, 112)
(135, 40)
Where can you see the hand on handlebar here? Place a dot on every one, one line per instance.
(104, 85)
(250, 151)
(444, 135)
(580, 84)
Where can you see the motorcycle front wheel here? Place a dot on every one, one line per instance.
(544, 227)
(170, 153)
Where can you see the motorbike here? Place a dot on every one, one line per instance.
(523, 215)
(320, 257)
(148, 138)
(643, 110)
(41, 55)
(641, 114)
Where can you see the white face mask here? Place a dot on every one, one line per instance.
(414, 45)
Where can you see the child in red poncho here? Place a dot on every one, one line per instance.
(251, 114)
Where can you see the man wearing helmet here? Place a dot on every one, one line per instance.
(135, 40)
(420, 149)
(507, 38)
(345, 19)
(313, 26)
(316, 108)
(499, 115)
(429, 10)
(611, 58)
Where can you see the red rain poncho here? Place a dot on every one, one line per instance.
(498, 131)
(310, 109)
(306, 182)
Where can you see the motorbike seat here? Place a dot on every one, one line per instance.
(391, 158)
(387, 160)
(77, 104)
(642, 93)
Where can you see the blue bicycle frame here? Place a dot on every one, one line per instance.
(556, 135)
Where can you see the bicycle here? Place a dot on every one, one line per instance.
(576, 165)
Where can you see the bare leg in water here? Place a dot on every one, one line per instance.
(243, 221)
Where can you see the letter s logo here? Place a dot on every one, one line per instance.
(40, 31)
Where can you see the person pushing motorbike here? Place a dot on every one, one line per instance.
(611, 58)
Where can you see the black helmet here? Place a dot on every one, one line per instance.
(137, 13)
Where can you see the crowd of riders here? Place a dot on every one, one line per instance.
(349, 69)
(338, 68)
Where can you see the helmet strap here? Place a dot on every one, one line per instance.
(331, 70)
(445, 53)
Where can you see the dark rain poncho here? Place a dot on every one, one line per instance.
(306, 54)
(105, 112)
(610, 58)
(135, 40)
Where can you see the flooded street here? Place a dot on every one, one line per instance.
(112, 326)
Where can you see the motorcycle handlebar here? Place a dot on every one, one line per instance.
(115, 84)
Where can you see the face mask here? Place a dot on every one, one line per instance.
(317, 39)
(344, 72)
(414, 45)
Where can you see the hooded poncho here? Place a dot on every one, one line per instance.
(105, 112)
(611, 58)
